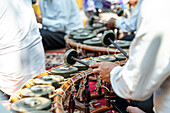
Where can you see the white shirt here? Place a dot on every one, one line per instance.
(129, 24)
(3, 109)
(21, 51)
(60, 15)
(148, 69)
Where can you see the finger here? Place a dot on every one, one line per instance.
(99, 76)
(94, 65)
(131, 109)
(96, 71)
(128, 108)
(106, 24)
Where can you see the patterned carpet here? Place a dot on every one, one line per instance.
(54, 58)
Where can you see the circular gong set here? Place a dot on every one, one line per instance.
(41, 97)
(95, 40)
(71, 58)
(103, 42)
(66, 86)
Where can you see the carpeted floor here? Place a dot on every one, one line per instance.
(54, 58)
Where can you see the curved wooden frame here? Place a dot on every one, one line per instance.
(66, 86)
(30, 83)
(63, 89)
(100, 50)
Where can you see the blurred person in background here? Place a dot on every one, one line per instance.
(126, 24)
(59, 17)
(91, 7)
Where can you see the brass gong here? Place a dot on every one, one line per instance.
(97, 25)
(121, 43)
(38, 91)
(94, 41)
(81, 66)
(38, 111)
(104, 58)
(80, 31)
(31, 104)
(52, 80)
(120, 56)
(64, 70)
(83, 36)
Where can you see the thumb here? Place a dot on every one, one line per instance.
(96, 71)
(94, 65)
(129, 108)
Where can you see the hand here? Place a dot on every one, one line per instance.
(131, 109)
(103, 69)
(111, 23)
(121, 35)
(39, 18)
(133, 2)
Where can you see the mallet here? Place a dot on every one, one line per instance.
(94, 19)
(71, 57)
(108, 38)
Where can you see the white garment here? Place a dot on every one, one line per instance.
(148, 69)
(3, 109)
(129, 24)
(60, 15)
(120, 1)
(21, 51)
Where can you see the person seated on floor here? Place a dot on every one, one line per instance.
(21, 51)
(147, 70)
(91, 7)
(59, 17)
(126, 24)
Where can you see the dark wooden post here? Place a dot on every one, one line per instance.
(71, 107)
(86, 95)
(84, 52)
(77, 87)
(100, 89)
(107, 94)
(118, 33)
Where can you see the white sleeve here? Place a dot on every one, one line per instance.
(55, 25)
(75, 21)
(129, 24)
(3, 109)
(56, 16)
(149, 59)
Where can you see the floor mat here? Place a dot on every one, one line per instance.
(54, 58)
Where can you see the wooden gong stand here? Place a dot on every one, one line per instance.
(100, 50)
(73, 103)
